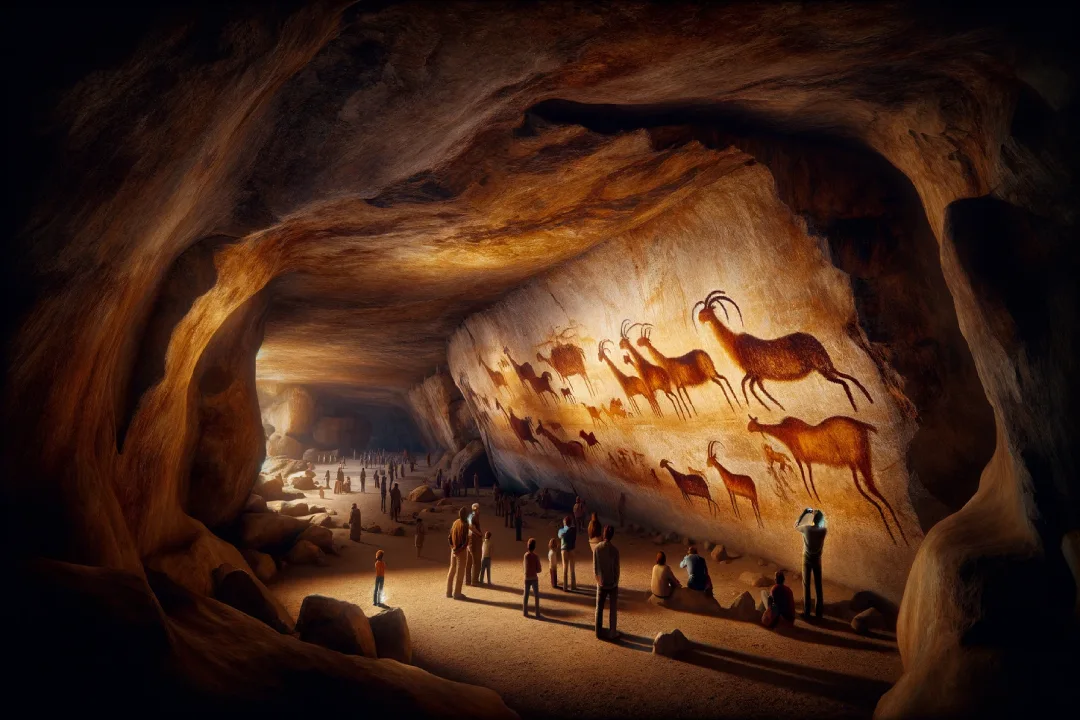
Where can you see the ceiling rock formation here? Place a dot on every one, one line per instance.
(354, 182)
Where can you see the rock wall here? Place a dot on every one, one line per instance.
(567, 331)
(441, 413)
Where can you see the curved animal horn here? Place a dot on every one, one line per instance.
(622, 328)
(646, 330)
(725, 299)
(711, 443)
(630, 327)
(693, 311)
(600, 348)
(715, 299)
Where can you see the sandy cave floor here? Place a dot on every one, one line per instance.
(556, 667)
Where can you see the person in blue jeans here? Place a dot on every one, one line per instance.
(567, 543)
(697, 572)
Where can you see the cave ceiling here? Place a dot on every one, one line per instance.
(423, 160)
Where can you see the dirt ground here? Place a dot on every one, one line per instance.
(555, 667)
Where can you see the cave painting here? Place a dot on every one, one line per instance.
(837, 442)
(567, 358)
(631, 385)
(595, 414)
(570, 451)
(521, 427)
(497, 378)
(691, 485)
(791, 357)
(690, 370)
(656, 378)
(736, 485)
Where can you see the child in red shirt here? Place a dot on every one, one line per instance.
(380, 576)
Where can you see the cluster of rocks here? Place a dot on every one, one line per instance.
(270, 533)
(342, 626)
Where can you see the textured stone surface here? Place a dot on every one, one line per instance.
(336, 625)
(391, 633)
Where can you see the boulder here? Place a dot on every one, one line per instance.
(292, 495)
(744, 608)
(302, 482)
(670, 644)
(373, 529)
(720, 554)
(398, 532)
(268, 487)
(320, 537)
(320, 520)
(317, 509)
(292, 509)
(261, 564)
(422, 493)
(687, 600)
(304, 553)
(281, 464)
(391, 634)
(867, 620)
(311, 454)
(255, 504)
(337, 625)
(287, 445)
(269, 531)
(236, 588)
(708, 545)
(754, 579)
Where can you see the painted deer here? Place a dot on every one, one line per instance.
(568, 394)
(737, 485)
(791, 357)
(541, 385)
(691, 486)
(572, 450)
(655, 377)
(631, 384)
(568, 360)
(522, 428)
(496, 377)
(837, 442)
(690, 370)
(589, 438)
(594, 413)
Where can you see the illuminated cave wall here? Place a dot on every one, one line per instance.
(736, 236)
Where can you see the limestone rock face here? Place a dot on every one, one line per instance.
(293, 413)
(336, 625)
(287, 445)
(391, 633)
(240, 590)
(443, 413)
(261, 564)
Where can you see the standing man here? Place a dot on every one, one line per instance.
(328, 479)
(567, 542)
(340, 476)
(517, 523)
(532, 579)
(363, 475)
(606, 571)
(382, 495)
(459, 543)
(813, 543)
(354, 523)
(476, 483)
(395, 503)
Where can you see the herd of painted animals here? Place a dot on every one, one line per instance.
(838, 441)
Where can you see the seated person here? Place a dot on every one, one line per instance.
(779, 604)
(697, 572)
(664, 581)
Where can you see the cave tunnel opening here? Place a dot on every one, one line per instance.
(699, 266)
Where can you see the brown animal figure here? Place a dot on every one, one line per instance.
(496, 377)
(690, 370)
(616, 410)
(837, 442)
(554, 426)
(594, 413)
(522, 428)
(737, 485)
(655, 478)
(631, 384)
(691, 485)
(572, 450)
(655, 377)
(568, 394)
(568, 360)
(774, 457)
(524, 372)
(791, 357)
(589, 438)
(541, 385)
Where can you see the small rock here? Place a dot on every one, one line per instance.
(317, 510)
(304, 552)
(320, 537)
(744, 608)
(670, 644)
(422, 493)
(756, 579)
(867, 620)
(302, 482)
(391, 634)
(291, 509)
(255, 504)
(719, 553)
(261, 564)
(373, 529)
(336, 625)
(398, 532)
(269, 488)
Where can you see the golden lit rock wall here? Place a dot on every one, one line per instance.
(737, 236)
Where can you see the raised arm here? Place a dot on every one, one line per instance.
(805, 512)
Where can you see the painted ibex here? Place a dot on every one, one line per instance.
(522, 428)
(691, 486)
(837, 442)
(737, 485)
(791, 357)
(631, 384)
(689, 370)
(655, 377)
(572, 450)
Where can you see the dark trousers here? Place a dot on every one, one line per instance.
(485, 567)
(606, 595)
(378, 590)
(812, 565)
(382, 503)
(517, 531)
(534, 585)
